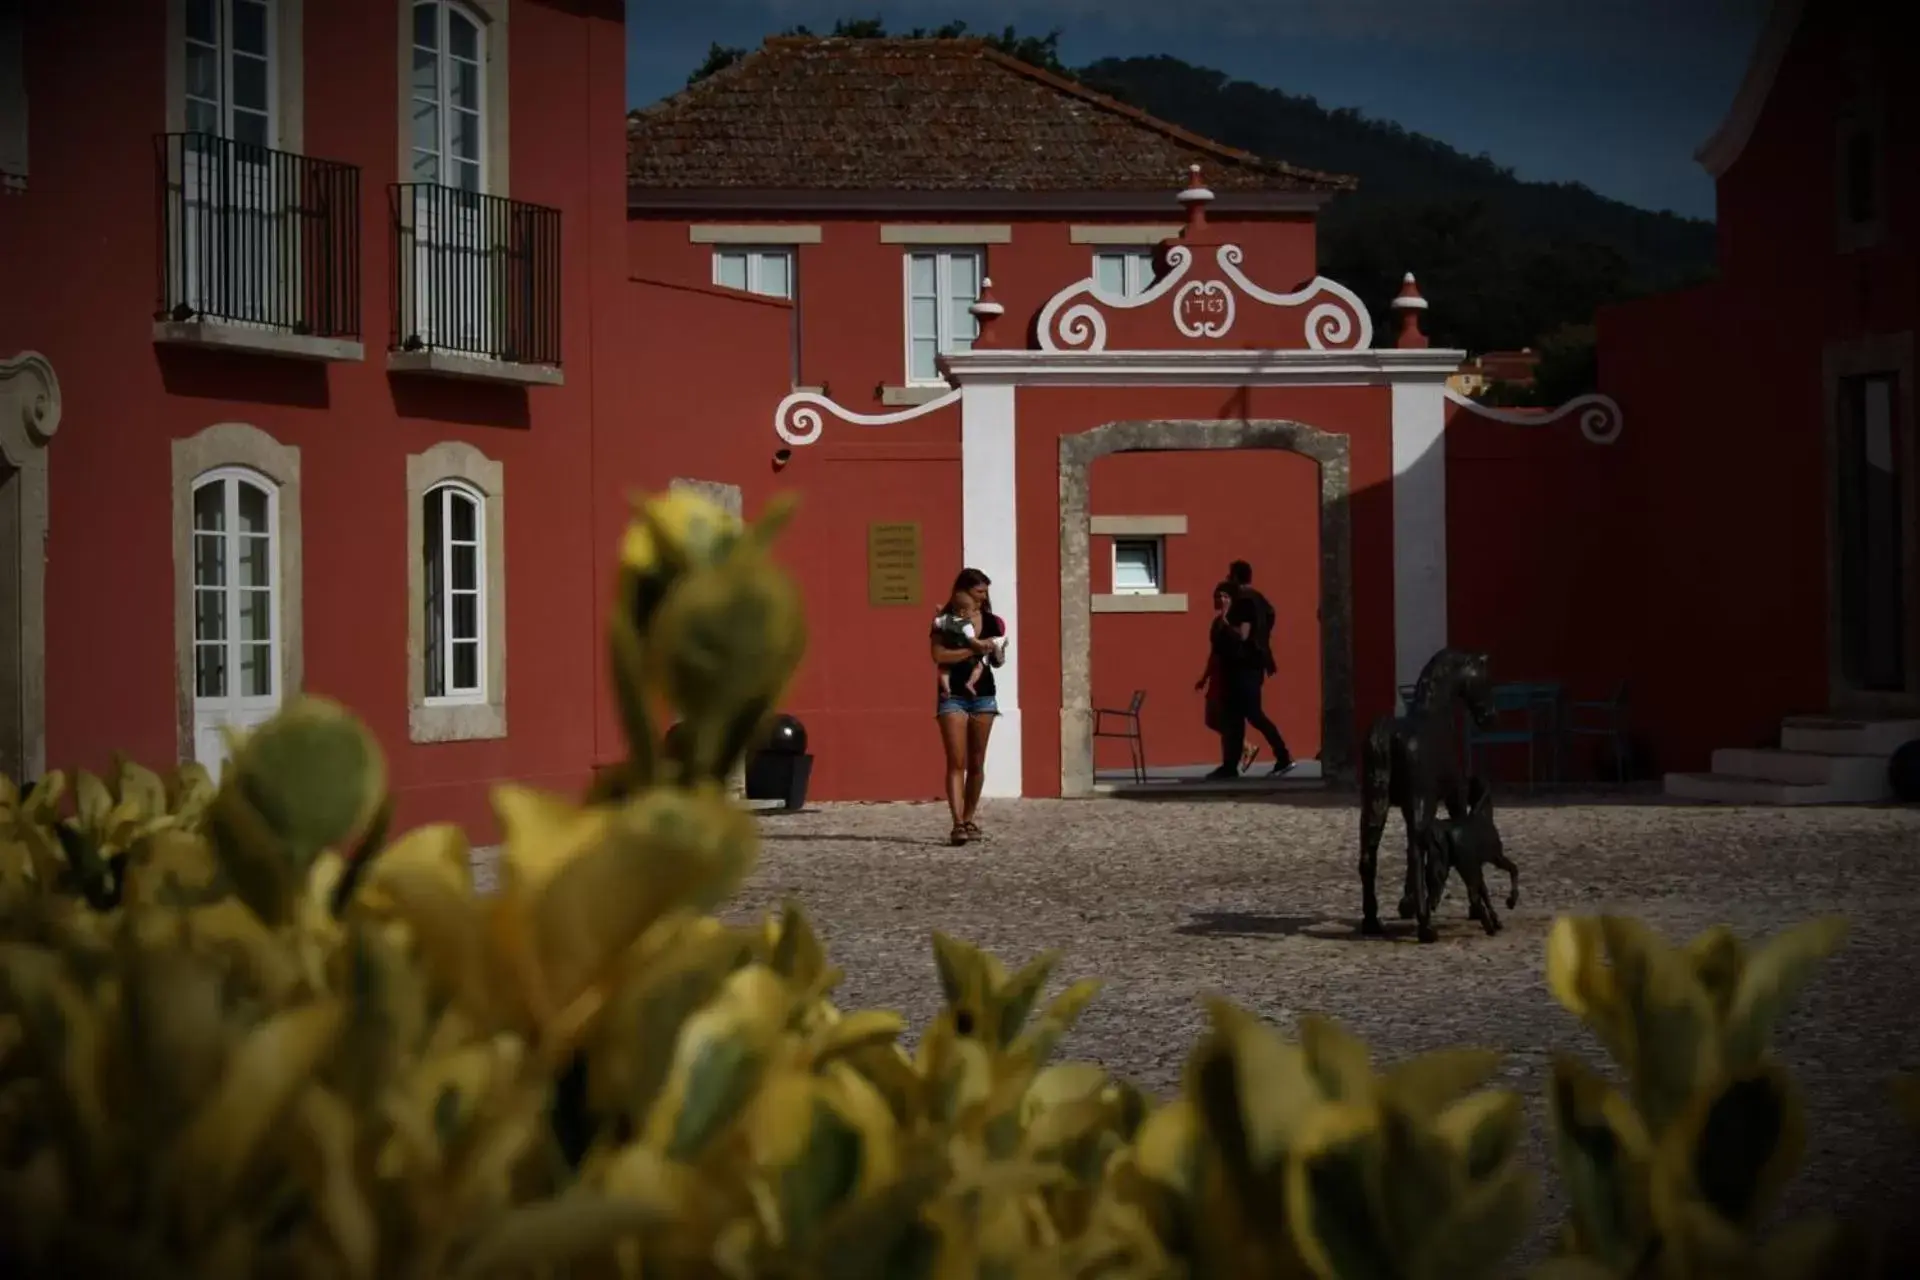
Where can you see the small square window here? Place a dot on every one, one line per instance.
(1123, 273)
(765, 271)
(1138, 566)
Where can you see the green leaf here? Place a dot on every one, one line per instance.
(1749, 1140)
(824, 1176)
(551, 1233)
(1420, 1178)
(1017, 997)
(314, 775)
(1485, 1228)
(1772, 979)
(722, 1079)
(1485, 1129)
(1339, 1061)
(1433, 1081)
(1571, 1269)
(1673, 1025)
(1333, 1202)
(958, 964)
(1603, 1175)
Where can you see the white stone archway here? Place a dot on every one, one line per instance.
(29, 416)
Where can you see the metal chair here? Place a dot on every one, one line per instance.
(1129, 731)
(1507, 700)
(1608, 720)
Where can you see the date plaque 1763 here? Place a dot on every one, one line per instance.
(893, 564)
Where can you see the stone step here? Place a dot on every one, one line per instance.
(1719, 788)
(1802, 768)
(1838, 736)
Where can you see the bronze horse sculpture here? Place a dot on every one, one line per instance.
(1469, 845)
(1410, 761)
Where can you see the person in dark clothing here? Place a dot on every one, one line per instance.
(1246, 663)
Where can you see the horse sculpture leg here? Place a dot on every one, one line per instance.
(1474, 873)
(1420, 814)
(1376, 787)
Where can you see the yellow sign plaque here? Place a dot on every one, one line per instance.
(893, 564)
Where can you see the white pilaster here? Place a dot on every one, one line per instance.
(1419, 526)
(990, 544)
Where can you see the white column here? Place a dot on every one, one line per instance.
(1419, 526)
(989, 538)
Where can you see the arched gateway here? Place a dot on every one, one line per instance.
(1204, 358)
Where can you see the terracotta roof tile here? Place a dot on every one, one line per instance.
(815, 113)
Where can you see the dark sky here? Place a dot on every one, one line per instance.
(1613, 93)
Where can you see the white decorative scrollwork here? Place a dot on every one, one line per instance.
(798, 420)
(1600, 418)
(1342, 325)
(1081, 326)
(1204, 290)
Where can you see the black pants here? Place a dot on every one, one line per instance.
(1240, 709)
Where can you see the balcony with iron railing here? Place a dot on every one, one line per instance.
(474, 285)
(259, 249)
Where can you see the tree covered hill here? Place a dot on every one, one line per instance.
(1506, 263)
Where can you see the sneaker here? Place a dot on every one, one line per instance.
(1284, 765)
(1223, 774)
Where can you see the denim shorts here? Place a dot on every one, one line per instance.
(952, 706)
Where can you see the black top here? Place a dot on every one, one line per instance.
(1250, 655)
(959, 673)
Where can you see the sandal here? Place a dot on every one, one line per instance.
(972, 830)
(959, 836)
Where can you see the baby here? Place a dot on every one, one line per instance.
(957, 632)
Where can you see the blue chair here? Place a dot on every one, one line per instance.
(1509, 700)
(1128, 730)
(1606, 718)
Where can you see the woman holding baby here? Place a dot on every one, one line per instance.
(969, 640)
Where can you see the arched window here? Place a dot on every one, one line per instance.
(453, 552)
(448, 95)
(457, 594)
(236, 606)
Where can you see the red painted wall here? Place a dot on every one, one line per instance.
(1538, 573)
(1046, 413)
(1262, 506)
(1722, 391)
(80, 248)
(851, 287)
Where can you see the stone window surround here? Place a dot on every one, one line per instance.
(1077, 453)
(492, 15)
(458, 721)
(235, 444)
(29, 417)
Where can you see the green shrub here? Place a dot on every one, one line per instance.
(244, 1034)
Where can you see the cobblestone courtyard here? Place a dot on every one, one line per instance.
(1259, 901)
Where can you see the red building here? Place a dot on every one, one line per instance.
(319, 336)
(877, 184)
(1774, 499)
(279, 339)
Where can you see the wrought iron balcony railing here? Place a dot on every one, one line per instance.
(254, 236)
(475, 275)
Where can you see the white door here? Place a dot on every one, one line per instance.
(236, 608)
(236, 250)
(454, 235)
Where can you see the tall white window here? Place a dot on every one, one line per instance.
(1123, 273)
(455, 608)
(942, 286)
(230, 70)
(1138, 566)
(236, 606)
(448, 96)
(768, 271)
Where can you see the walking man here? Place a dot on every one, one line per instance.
(1246, 670)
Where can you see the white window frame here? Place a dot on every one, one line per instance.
(233, 477)
(447, 491)
(442, 102)
(945, 343)
(756, 256)
(464, 715)
(1137, 271)
(225, 54)
(1157, 549)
